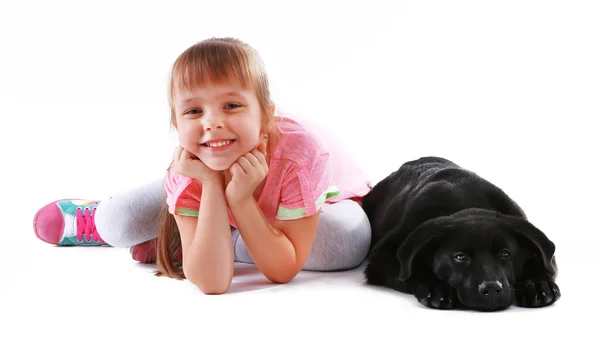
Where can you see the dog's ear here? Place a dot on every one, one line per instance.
(422, 236)
(536, 241)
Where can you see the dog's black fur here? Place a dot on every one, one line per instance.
(455, 240)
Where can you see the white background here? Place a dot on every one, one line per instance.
(509, 89)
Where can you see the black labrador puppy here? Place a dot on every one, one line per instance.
(454, 240)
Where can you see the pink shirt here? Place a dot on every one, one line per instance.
(307, 171)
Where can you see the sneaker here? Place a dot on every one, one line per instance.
(144, 252)
(68, 222)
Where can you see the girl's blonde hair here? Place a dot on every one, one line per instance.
(209, 61)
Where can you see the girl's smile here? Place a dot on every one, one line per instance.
(218, 145)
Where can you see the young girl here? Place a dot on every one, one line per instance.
(245, 185)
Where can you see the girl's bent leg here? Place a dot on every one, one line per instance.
(342, 240)
(131, 217)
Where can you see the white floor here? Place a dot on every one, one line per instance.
(98, 292)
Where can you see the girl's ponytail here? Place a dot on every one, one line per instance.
(169, 260)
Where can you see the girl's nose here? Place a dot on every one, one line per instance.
(213, 121)
(212, 125)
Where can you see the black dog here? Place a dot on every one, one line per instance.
(455, 240)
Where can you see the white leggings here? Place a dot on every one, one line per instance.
(342, 240)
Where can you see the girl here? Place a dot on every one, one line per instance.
(245, 185)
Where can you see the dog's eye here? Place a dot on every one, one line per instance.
(461, 257)
(504, 253)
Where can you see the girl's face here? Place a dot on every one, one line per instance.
(218, 123)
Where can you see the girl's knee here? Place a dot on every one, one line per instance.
(131, 217)
(343, 237)
(113, 219)
(348, 220)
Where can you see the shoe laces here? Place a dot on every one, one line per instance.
(86, 226)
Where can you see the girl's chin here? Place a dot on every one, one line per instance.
(218, 166)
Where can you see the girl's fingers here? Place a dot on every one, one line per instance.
(252, 158)
(236, 170)
(262, 147)
(244, 164)
(185, 155)
(262, 160)
(177, 153)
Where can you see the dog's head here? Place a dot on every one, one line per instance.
(479, 253)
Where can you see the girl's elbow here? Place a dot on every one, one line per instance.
(284, 272)
(211, 287)
(282, 277)
(209, 284)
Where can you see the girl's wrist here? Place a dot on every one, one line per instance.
(240, 203)
(216, 180)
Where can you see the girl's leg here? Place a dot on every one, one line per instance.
(342, 240)
(124, 220)
(132, 217)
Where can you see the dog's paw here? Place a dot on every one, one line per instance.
(535, 294)
(438, 295)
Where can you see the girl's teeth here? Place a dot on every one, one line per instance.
(218, 144)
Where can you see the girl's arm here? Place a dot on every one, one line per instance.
(206, 242)
(280, 250)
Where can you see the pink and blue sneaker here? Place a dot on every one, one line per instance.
(68, 222)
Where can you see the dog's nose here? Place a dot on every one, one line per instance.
(490, 288)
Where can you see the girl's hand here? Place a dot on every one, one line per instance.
(246, 174)
(188, 164)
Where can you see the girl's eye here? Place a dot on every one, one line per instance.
(232, 106)
(193, 111)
